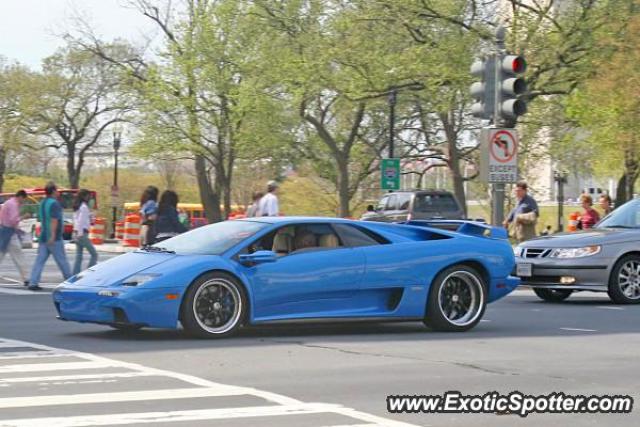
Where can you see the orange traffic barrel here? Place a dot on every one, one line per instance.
(119, 230)
(573, 222)
(96, 231)
(131, 234)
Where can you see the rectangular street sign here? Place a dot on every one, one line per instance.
(498, 155)
(390, 174)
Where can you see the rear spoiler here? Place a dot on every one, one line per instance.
(470, 228)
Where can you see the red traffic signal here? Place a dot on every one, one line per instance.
(514, 64)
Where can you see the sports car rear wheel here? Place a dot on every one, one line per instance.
(214, 306)
(552, 295)
(457, 299)
(624, 284)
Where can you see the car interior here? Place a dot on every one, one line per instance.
(299, 238)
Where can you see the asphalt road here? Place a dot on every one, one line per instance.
(310, 375)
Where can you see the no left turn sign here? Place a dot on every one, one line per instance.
(503, 146)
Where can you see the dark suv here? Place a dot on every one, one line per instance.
(415, 204)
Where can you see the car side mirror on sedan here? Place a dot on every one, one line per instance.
(370, 208)
(258, 257)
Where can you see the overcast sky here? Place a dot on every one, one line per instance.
(28, 27)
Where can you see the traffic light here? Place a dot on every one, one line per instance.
(483, 91)
(511, 87)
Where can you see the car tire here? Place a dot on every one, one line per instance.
(552, 295)
(624, 283)
(214, 306)
(457, 300)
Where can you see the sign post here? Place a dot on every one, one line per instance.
(390, 174)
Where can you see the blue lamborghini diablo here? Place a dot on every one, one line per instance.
(214, 279)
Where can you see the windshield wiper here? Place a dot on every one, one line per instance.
(157, 249)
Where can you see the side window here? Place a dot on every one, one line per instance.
(382, 203)
(403, 201)
(392, 203)
(315, 237)
(355, 236)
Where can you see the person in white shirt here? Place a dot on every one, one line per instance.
(81, 225)
(268, 205)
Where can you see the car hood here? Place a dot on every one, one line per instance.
(598, 236)
(116, 269)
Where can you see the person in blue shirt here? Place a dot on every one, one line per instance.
(148, 213)
(50, 240)
(525, 215)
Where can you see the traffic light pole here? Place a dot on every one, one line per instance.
(498, 189)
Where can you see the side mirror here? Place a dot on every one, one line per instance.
(370, 208)
(258, 257)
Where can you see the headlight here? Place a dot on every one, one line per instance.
(575, 252)
(517, 251)
(139, 279)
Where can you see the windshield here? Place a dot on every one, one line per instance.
(212, 239)
(626, 216)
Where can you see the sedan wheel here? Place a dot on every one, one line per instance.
(624, 284)
(457, 300)
(214, 306)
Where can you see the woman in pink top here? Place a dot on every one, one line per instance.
(589, 216)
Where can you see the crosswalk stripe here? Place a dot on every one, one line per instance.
(81, 377)
(124, 396)
(31, 354)
(172, 416)
(63, 366)
(23, 292)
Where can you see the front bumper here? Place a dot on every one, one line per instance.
(589, 274)
(152, 307)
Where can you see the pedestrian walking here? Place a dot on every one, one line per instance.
(525, 214)
(50, 240)
(81, 224)
(605, 204)
(148, 213)
(167, 224)
(10, 233)
(253, 209)
(589, 216)
(268, 205)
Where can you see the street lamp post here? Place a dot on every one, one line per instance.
(560, 177)
(117, 134)
(392, 120)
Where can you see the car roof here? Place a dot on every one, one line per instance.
(295, 219)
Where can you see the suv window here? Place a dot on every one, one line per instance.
(356, 236)
(404, 200)
(392, 203)
(382, 203)
(435, 203)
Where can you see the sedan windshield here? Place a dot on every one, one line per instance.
(626, 216)
(211, 239)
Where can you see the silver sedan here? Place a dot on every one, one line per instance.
(605, 258)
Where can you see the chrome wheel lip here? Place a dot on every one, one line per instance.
(476, 291)
(235, 294)
(629, 279)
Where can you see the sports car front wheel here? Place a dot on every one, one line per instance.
(214, 306)
(457, 300)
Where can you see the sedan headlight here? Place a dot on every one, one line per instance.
(139, 279)
(575, 252)
(517, 251)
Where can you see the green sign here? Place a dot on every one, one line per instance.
(390, 174)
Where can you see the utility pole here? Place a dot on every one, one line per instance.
(392, 121)
(498, 196)
(560, 177)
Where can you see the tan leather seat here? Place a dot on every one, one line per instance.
(305, 240)
(329, 241)
(282, 244)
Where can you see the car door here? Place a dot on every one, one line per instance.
(310, 282)
(390, 208)
(401, 208)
